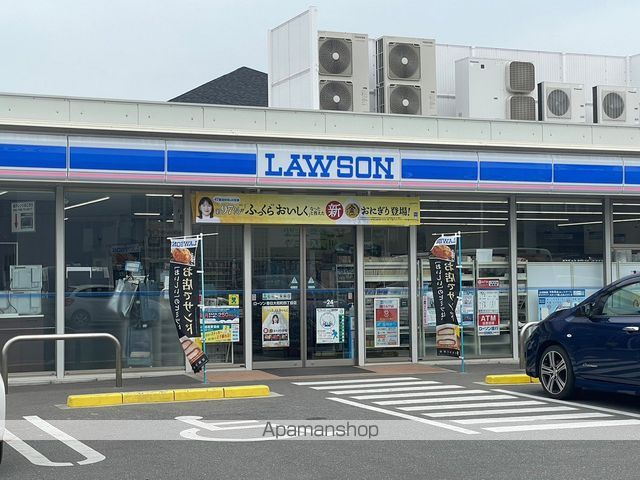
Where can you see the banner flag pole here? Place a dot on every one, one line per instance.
(202, 333)
(459, 299)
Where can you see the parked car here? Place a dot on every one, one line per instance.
(89, 307)
(3, 406)
(594, 345)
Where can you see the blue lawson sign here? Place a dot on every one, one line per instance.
(552, 300)
(110, 159)
(328, 163)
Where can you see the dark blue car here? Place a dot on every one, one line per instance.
(595, 345)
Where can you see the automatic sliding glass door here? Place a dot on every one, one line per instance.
(303, 296)
(276, 296)
(330, 295)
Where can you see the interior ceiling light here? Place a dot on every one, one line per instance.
(472, 232)
(464, 201)
(146, 214)
(87, 203)
(466, 224)
(466, 218)
(578, 223)
(2, 193)
(594, 223)
(560, 213)
(462, 210)
(557, 203)
(627, 220)
(542, 219)
(158, 195)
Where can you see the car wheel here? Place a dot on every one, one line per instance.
(556, 373)
(80, 319)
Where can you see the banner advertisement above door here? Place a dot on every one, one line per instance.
(305, 209)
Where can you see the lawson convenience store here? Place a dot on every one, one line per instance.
(319, 232)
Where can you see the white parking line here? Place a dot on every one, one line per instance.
(361, 380)
(560, 416)
(418, 408)
(404, 415)
(498, 411)
(476, 397)
(564, 426)
(397, 389)
(91, 456)
(375, 385)
(421, 394)
(31, 453)
(578, 404)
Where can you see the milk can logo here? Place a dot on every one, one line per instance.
(334, 210)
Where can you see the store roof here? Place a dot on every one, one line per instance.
(238, 123)
(244, 86)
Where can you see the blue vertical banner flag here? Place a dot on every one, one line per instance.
(445, 284)
(183, 297)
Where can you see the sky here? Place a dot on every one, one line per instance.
(158, 49)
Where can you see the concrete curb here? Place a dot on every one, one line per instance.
(166, 396)
(510, 379)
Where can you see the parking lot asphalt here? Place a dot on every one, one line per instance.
(227, 437)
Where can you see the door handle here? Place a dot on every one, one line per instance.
(631, 329)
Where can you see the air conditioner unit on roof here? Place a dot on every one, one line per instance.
(495, 89)
(615, 105)
(343, 71)
(561, 102)
(406, 76)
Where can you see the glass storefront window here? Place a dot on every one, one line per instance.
(560, 249)
(27, 276)
(626, 237)
(386, 292)
(484, 228)
(117, 270)
(223, 279)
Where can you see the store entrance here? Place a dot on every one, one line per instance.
(303, 296)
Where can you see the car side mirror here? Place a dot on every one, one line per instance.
(586, 310)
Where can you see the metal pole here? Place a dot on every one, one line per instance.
(414, 301)
(59, 280)
(247, 305)
(513, 277)
(460, 299)
(66, 336)
(360, 310)
(524, 336)
(202, 336)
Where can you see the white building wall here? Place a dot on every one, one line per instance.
(293, 62)
(634, 70)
